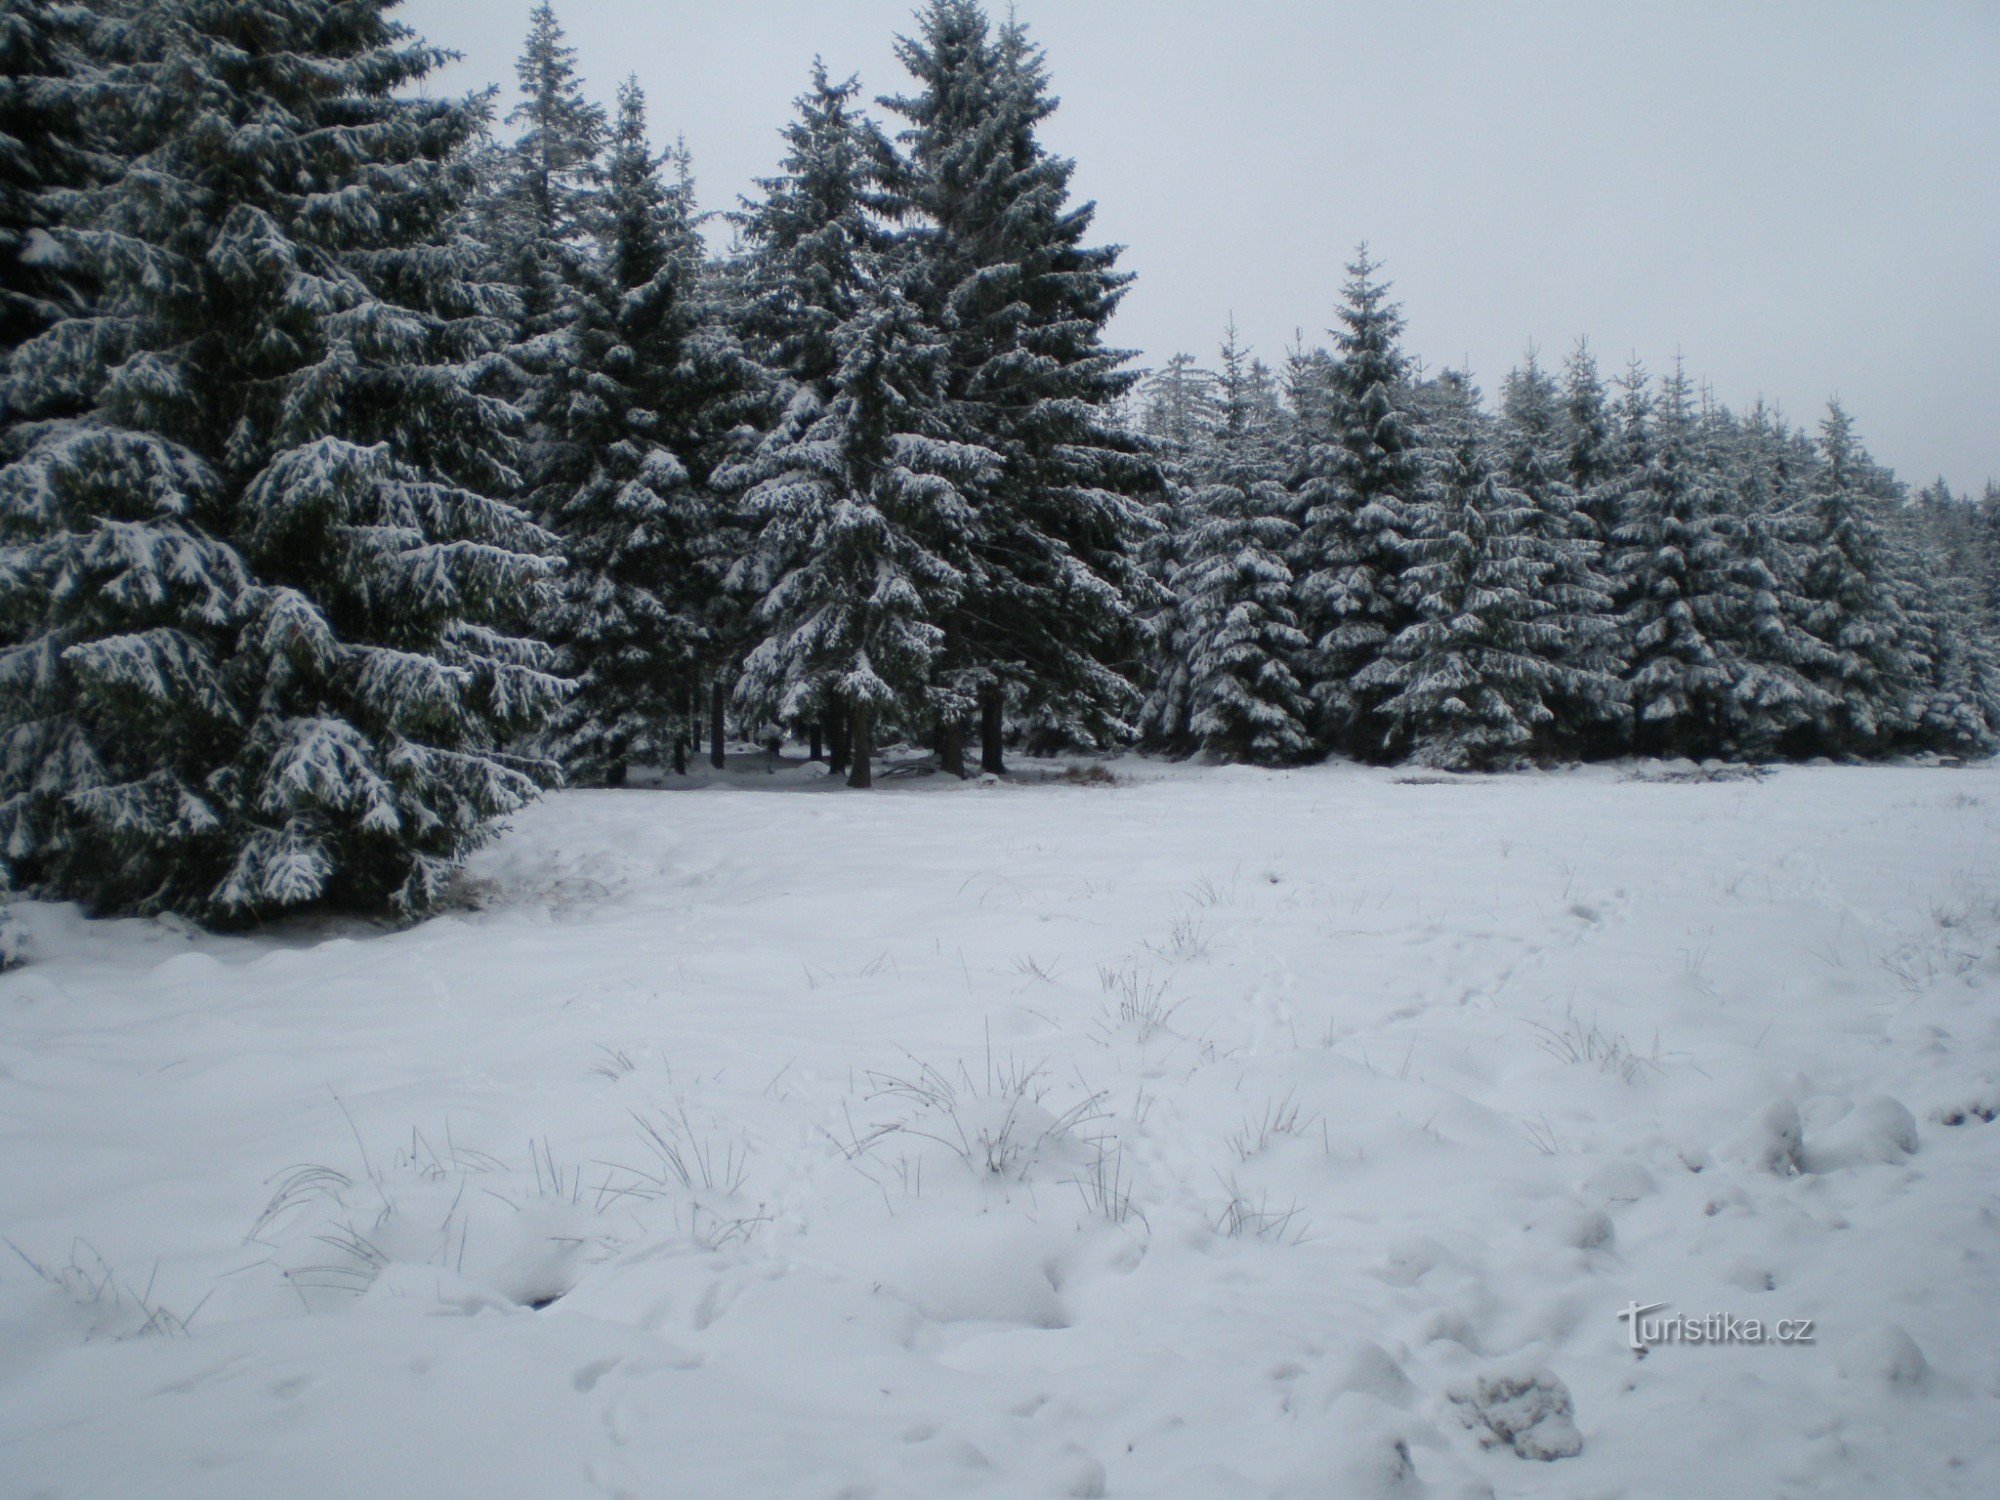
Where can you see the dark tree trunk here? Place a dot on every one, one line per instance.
(990, 704)
(716, 700)
(951, 748)
(863, 772)
(836, 733)
(814, 731)
(680, 755)
(614, 774)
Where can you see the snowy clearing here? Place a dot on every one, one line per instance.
(1216, 1133)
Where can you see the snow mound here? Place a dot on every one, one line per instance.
(1774, 1140)
(1573, 1226)
(1356, 1367)
(995, 1267)
(1373, 1466)
(1886, 1356)
(1876, 1131)
(1623, 1181)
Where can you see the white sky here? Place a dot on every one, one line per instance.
(1802, 197)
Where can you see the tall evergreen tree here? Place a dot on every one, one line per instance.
(1536, 458)
(1308, 392)
(1166, 707)
(1987, 529)
(1470, 681)
(1671, 564)
(536, 216)
(1959, 704)
(636, 532)
(1178, 409)
(1004, 270)
(1776, 659)
(814, 233)
(816, 256)
(863, 527)
(250, 659)
(1359, 485)
(1239, 627)
(1178, 416)
(562, 135)
(1852, 606)
(1591, 449)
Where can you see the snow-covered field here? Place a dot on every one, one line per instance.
(1218, 1133)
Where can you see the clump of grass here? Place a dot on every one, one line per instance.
(1207, 892)
(1258, 1218)
(1281, 1117)
(333, 1234)
(996, 1124)
(1106, 1190)
(1917, 966)
(121, 1309)
(1585, 1042)
(685, 1156)
(1138, 1000)
(1186, 939)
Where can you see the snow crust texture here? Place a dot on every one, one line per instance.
(1206, 1133)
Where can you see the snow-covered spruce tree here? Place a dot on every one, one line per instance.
(1590, 447)
(1358, 487)
(1987, 551)
(1774, 658)
(562, 136)
(1851, 601)
(1177, 414)
(863, 531)
(815, 250)
(535, 214)
(1234, 589)
(1166, 709)
(553, 171)
(1003, 268)
(1535, 452)
(636, 533)
(723, 394)
(814, 235)
(1958, 708)
(1308, 396)
(1671, 562)
(1471, 681)
(1179, 409)
(249, 663)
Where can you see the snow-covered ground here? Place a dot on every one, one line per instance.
(1218, 1133)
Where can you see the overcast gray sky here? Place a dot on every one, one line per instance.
(1800, 197)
